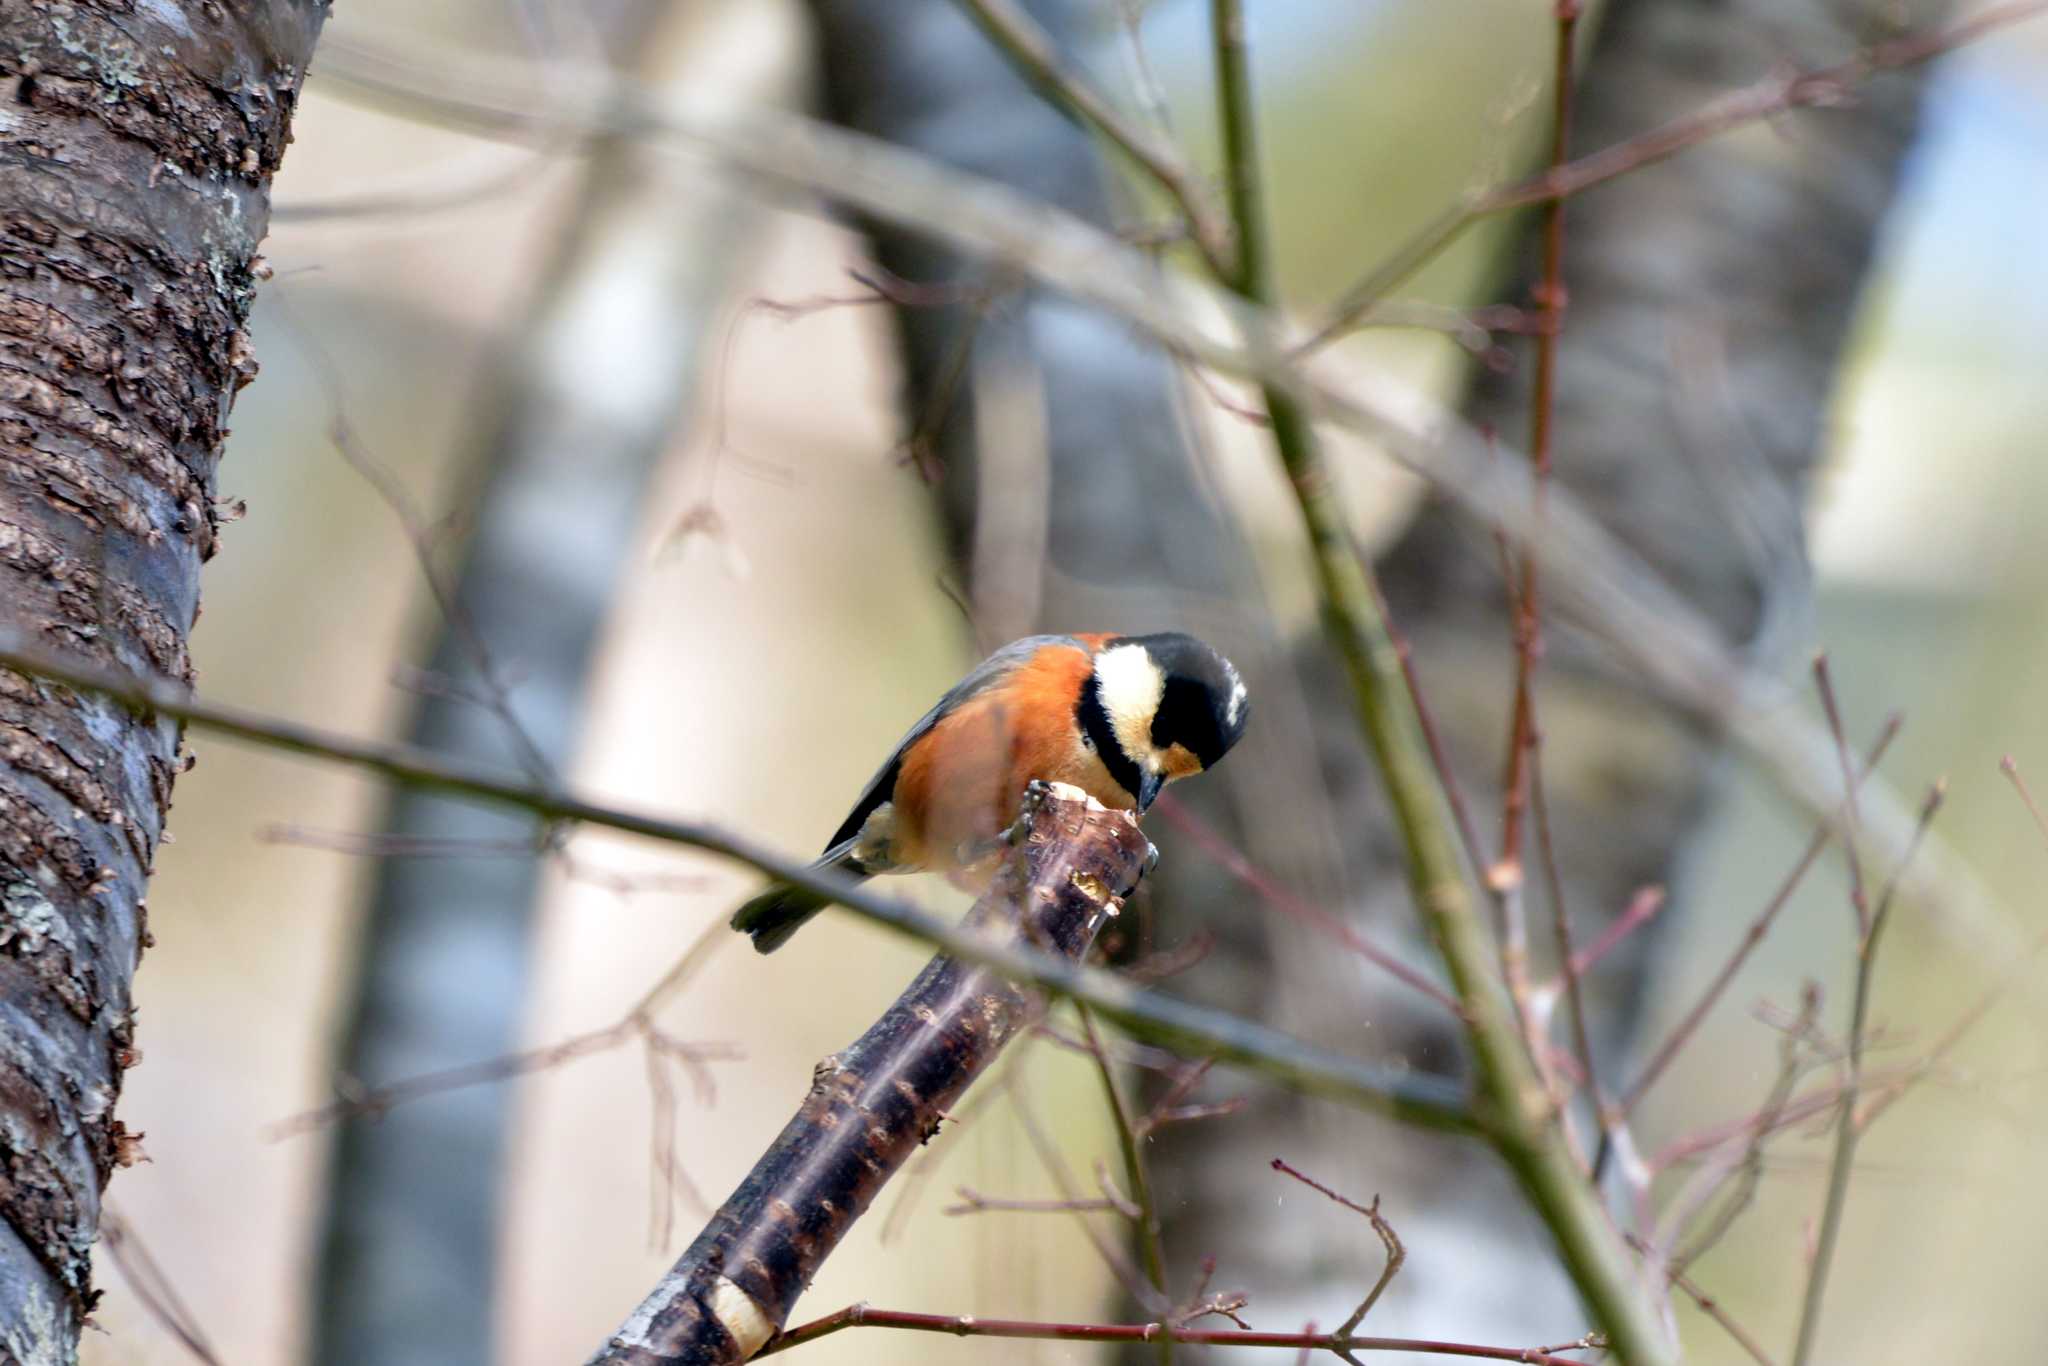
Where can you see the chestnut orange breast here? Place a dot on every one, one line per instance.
(962, 782)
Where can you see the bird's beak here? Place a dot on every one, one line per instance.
(1149, 784)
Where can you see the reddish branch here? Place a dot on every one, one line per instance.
(1779, 93)
(874, 1104)
(966, 1326)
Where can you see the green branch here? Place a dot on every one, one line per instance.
(1516, 1119)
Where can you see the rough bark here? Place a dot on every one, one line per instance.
(573, 426)
(874, 1104)
(137, 143)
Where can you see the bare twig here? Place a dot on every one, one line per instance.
(1149, 1241)
(861, 1316)
(1274, 894)
(1120, 1266)
(1642, 908)
(1847, 1131)
(153, 1288)
(636, 1023)
(974, 1202)
(1749, 1167)
(1859, 901)
(1754, 935)
(1560, 918)
(1713, 1310)
(1396, 1254)
(1775, 94)
(1032, 52)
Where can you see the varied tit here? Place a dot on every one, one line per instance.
(1116, 716)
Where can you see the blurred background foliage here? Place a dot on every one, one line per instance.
(751, 673)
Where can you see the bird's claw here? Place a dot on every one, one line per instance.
(1035, 794)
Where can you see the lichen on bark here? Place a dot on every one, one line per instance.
(137, 142)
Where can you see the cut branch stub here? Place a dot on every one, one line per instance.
(873, 1104)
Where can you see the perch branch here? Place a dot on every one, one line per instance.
(874, 1104)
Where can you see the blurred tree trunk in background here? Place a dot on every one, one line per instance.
(1709, 302)
(1071, 474)
(601, 369)
(135, 164)
(1068, 467)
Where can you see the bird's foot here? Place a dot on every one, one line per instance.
(1035, 794)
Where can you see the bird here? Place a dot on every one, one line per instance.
(1117, 716)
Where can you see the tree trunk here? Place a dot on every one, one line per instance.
(136, 153)
(573, 428)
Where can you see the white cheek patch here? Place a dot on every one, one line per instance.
(1130, 685)
(1233, 711)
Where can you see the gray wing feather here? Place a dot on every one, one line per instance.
(979, 679)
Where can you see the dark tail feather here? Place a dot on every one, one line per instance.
(780, 911)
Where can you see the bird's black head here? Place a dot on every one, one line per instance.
(1160, 707)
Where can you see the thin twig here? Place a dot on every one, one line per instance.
(1150, 1244)
(974, 1202)
(1236, 863)
(1396, 1254)
(146, 1278)
(1575, 1003)
(964, 1326)
(1425, 721)
(496, 690)
(1505, 877)
(1776, 94)
(1522, 1129)
(1713, 1310)
(1642, 908)
(1859, 901)
(1847, 1131)
(1753, 936)
(1749, 1167)
(636, 1023)
(1031, 50)
(1141, 1291)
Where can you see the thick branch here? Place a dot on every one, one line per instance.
(872, 1106)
